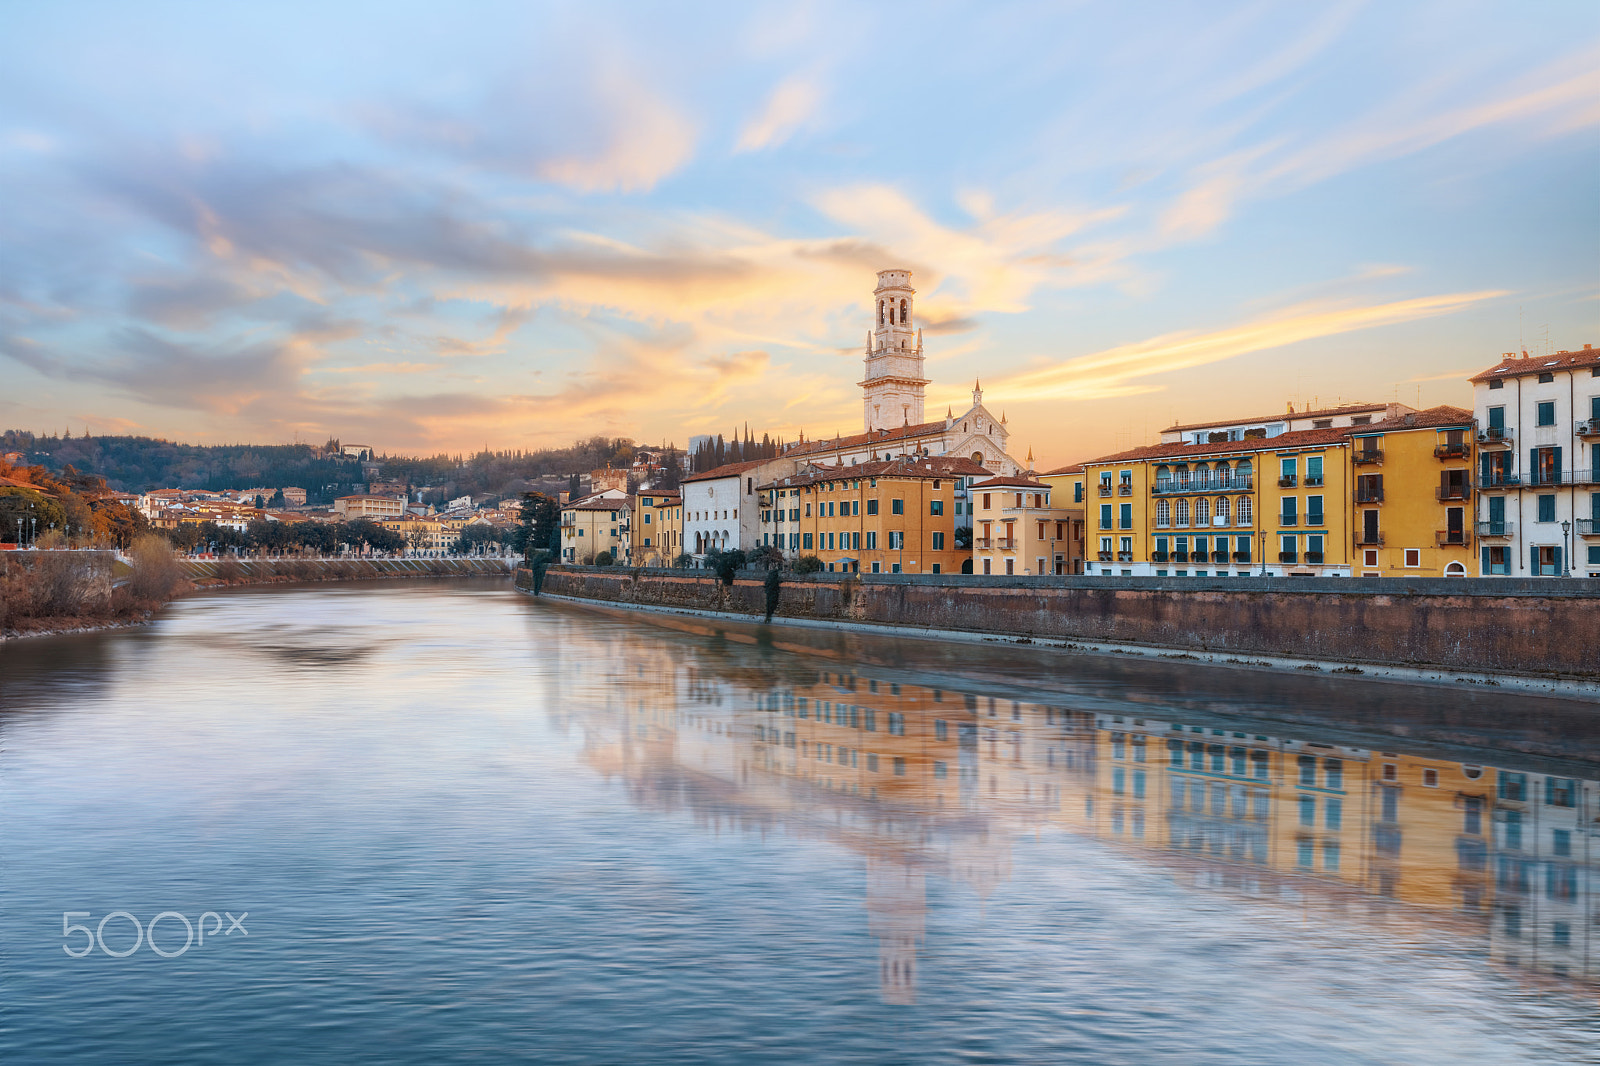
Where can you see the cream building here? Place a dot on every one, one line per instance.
(595, 524)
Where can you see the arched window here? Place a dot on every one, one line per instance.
(1243, 517)
(1202, 512)
(1163, 477)
(977, 457)
(904, 313)
(1222, 476)
(1199, 477)
(1180, 474)
(880, 312)
(1455, 570)
(1163, 514)
(1241, 474)
(1182, 516)
(1222, 510)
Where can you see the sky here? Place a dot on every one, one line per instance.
(439, 227)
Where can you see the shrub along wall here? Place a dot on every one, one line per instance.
(1542, 627)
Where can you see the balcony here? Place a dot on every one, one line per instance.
(1369, 540)
(1314, 558)
(1219, 557)
(1452, 492)
(1241, 557)
(1496, 530)
(1499, 481)
(1495, 437)
(1168, 486)
(1315, 519)
(1288, 520)
(983, 542)
(1588, 527)
(1288, 557)
(1313, 482)
(1125, 489)
(1369, 495)
(1588, 428)
(1180, 557)
(1124, 557)
(1450, 451)
(1566, 477)
(1367, 457)
(1287, 481)
(1105, 488)
(1452, 538)
(1158, 557)
(1105, 557)
(1006, 543)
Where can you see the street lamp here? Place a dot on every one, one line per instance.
(1566, 549)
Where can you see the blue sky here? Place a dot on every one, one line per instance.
(431, 227)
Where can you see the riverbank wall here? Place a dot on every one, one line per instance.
(1520, 627)
(207, 573)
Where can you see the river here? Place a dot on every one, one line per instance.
(429, 822)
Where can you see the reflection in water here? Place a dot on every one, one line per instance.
(927, 781)
(471, 826)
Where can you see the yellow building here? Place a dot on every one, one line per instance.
(1018, 529)
(423, 534)
(1280, 505)
(1413, 494)
(892, 517)
(594, 525)
(657, 528)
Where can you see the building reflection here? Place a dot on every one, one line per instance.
(925, 782)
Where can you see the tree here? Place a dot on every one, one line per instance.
(772, 584)
(476, 534)
(417, 539)
(727, 564)
(684, 561)
(807, 564)
(541, 525)
(604, 559)
(767, 555)
(155, 572)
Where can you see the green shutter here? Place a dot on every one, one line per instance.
(1484, 570)
(1558, 466)
(1533, 562)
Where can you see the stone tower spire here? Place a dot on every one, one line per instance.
(894, 383)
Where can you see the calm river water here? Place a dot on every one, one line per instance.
(429, 823)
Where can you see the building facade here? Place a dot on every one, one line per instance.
(1538, 444)
(1019, 529)
(1413, 494)
(657, 528)
(596, 524)
(721, 507)
(891, 517)
(366, 505)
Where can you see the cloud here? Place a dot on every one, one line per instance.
(791, 105)
(1117, 371)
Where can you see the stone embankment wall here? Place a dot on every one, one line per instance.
(254, 571)
(1541, 627)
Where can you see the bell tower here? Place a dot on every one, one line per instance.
(894, 383)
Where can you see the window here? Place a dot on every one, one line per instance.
(938, 543)
(936, 507)
(1559, 791)
(1333, 773)
(1546, 377)
(1430, 778)
(1125, 518)
(1308, 811)
(1545, 413)
(1333, 813)
(1105, 515)
(1202, 512)
(1513, 786)
(872, 506)
(899, 766)
(1561, 843)
(1413, 557)
(1181, 514)
(986, 501)
(1308, 771)
(1547, 508)
(941, 729)
(1498, 383)
(897, 724)
(1314, 511)
(1244, 517)
(897, 507)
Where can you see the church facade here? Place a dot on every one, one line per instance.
(893, 395)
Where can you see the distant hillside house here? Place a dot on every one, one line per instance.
(366, 505)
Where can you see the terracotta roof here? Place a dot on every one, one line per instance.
(8, 482)
(727, 470)
(599, 505)
(1432, 418)
(923, 466)
(1010, 483)
(1343, 409)
(1074, 468)
(1510, 367)
(1300, 438)
(857, 440)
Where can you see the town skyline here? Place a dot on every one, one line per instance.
(402, 236)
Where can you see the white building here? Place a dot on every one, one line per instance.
(721, 508)
(1538, 494)
(892, 399)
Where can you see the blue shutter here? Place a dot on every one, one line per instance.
(1483, 462)
(1484, 570)
(1533, 465)
(1533, 561)
(1558, 560)
(1558, 466)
